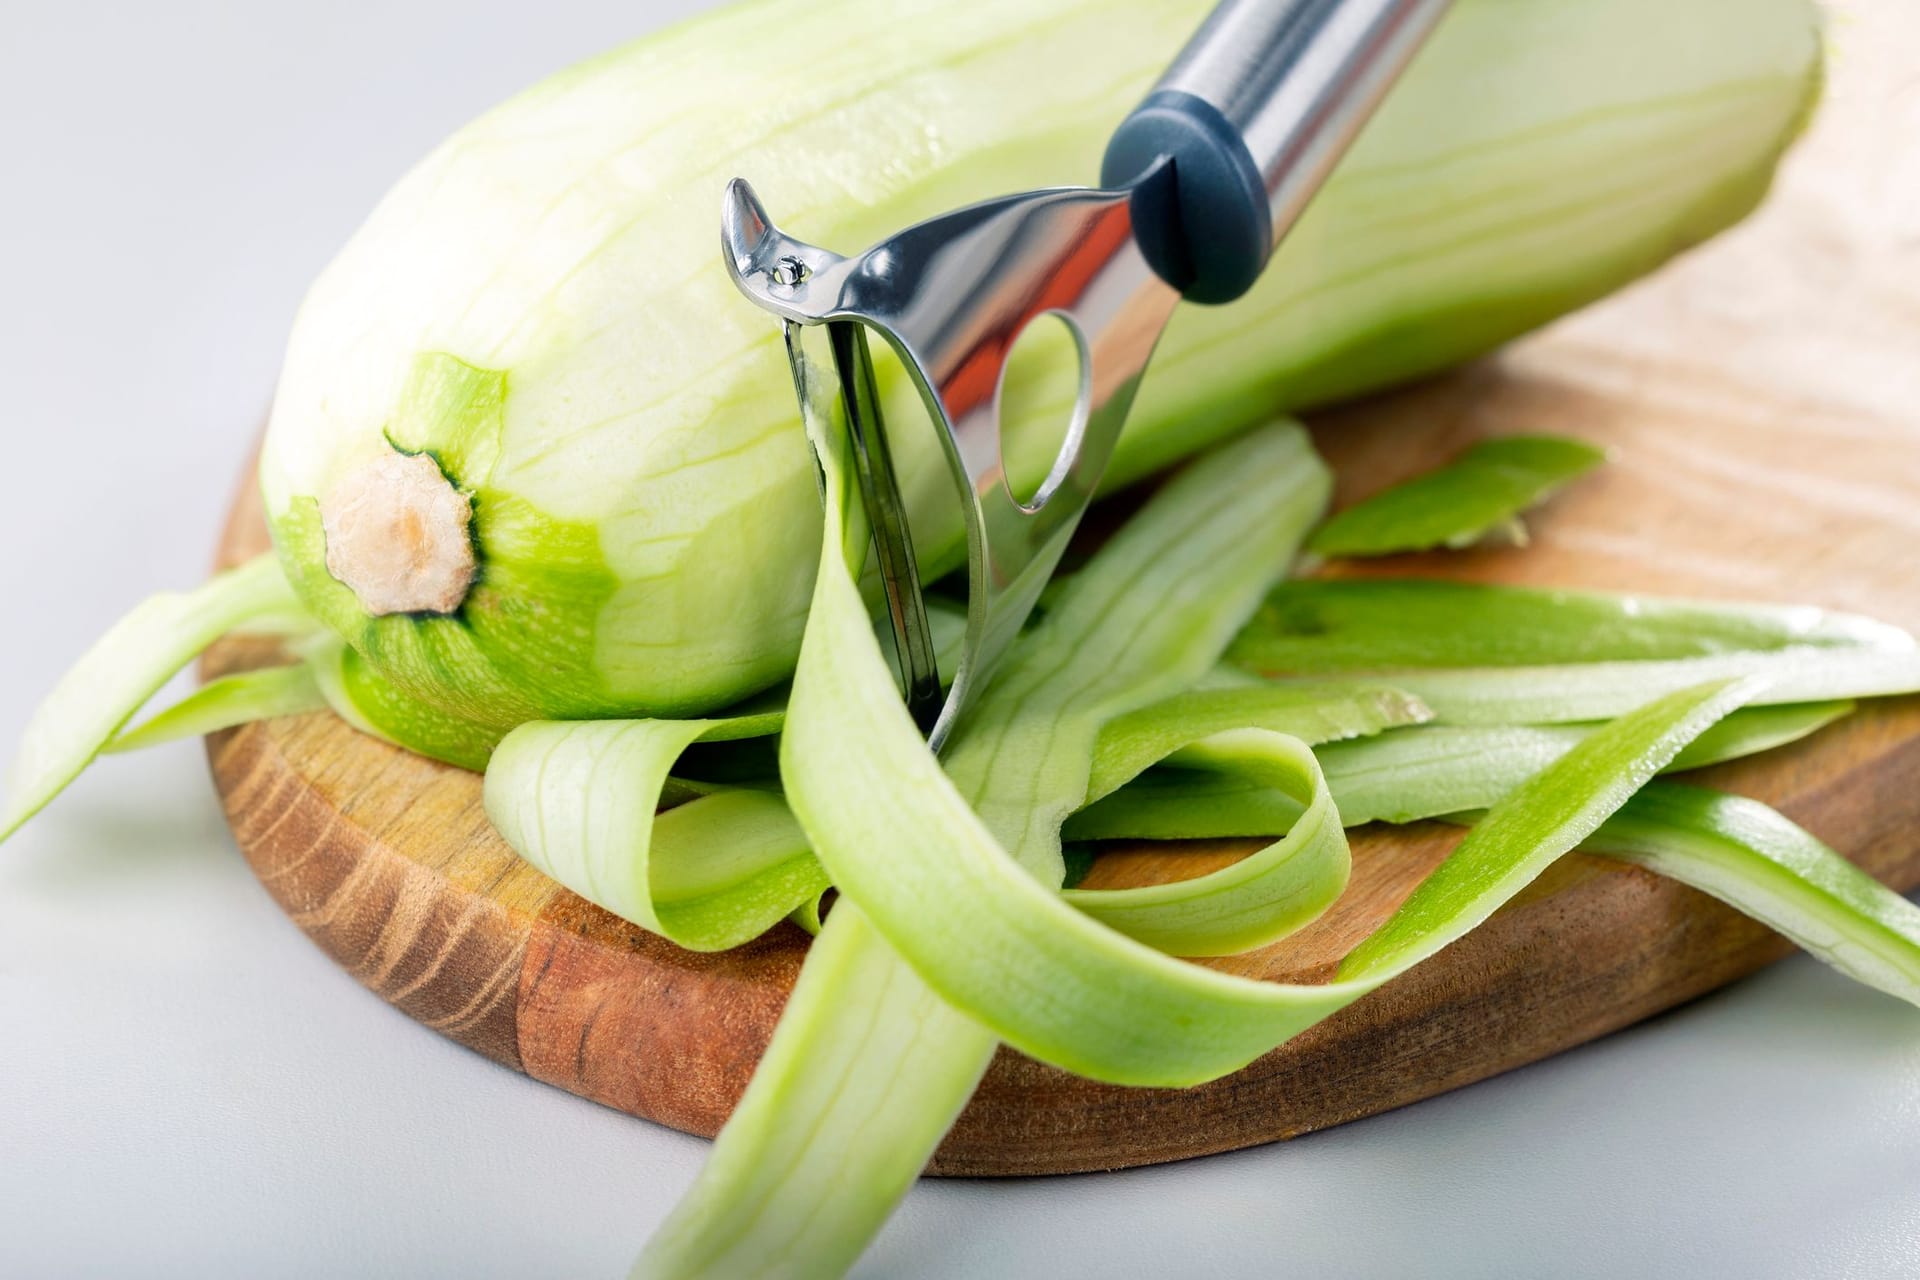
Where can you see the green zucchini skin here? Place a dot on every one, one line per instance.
(540, 304)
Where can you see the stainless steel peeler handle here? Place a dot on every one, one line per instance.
(1254, 112)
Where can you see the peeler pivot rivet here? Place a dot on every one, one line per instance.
(789, 272)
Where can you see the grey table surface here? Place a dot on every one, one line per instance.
(189, 1088)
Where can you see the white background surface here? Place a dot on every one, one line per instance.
(188, 1087)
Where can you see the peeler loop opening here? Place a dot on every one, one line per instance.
(1030, 422)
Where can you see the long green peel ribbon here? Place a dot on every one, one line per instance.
(1312, 627)
(1481, 492)
(1538, 821)
(1568, 693)
(125, 668)
(1755, 860)
(869, 1066)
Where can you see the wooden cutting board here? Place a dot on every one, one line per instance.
(1763, 401)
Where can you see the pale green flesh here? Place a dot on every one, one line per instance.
(1479, 494)
(564, 248)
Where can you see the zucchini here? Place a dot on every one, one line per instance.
(533, 457)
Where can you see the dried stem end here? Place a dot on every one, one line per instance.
(397, 534)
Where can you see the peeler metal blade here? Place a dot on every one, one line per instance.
(951, 296)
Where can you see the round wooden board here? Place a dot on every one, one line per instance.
(1760, 399)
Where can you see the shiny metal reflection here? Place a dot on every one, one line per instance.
(952, 296)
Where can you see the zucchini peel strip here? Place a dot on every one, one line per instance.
(1313, 626)
(1442, 769)
(869, 1066)
(1478, 494)
(1763, 865)
(225, 703)
(1573, 692)
(1736, 849)
(125, 668)
(1544, 817)
(578, 800)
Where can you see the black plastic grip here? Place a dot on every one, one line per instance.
(1204, 226)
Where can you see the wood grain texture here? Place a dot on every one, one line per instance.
(1760, 398)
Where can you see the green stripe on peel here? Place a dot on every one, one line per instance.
(123, 669)
(1758, 862)
(1386, 624)
(1534, 824)
(1482, 491)
(227, 702)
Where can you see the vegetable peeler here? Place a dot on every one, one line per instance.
(1199, 184)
